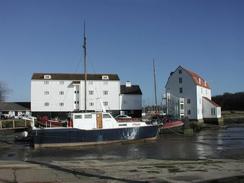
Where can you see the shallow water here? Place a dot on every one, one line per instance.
(221, 143)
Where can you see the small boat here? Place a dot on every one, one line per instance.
(92, 128)
(167, 123)
(45, 122)
(171, 125)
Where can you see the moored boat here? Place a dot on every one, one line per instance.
(92, 129)
(171, 125)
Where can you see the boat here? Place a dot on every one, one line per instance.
(92, 128)
(167, 124)
(170, 125)
(45, 122)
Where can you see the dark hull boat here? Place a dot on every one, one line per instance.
(54, 137)
(98, 128)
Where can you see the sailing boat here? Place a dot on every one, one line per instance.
(91, 128)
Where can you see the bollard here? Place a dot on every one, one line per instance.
(1, 125)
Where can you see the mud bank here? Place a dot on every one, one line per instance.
(140, 170)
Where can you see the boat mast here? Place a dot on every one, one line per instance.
(155, 85)
(85, 73)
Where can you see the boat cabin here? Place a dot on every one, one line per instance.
(100, 120)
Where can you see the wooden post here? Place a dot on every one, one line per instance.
(13, 124)
(1, 125)
(25, 123)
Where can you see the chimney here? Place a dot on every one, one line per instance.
(128, 84)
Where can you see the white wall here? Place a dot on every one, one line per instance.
(54, 98)
(130, 102)
(98, 88)
(201, 92)
(207, 110)
(189, 91)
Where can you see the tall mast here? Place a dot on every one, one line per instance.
(155, 86)
(85, 73)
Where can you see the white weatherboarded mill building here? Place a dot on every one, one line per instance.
(189, 95)
(57, 93)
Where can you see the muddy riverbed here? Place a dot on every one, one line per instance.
(213, 154)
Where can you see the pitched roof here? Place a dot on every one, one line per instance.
(132, 90)
(212, 102)
(13, 106)
(68, 76)
(198, 80)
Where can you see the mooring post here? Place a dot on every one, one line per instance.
(1, 125)
(13, 124)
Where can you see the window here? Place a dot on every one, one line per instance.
(88, 116)
(106, 116)
(46, 104)
(189, 112)
(61, 93)
(46, 82)
(105, 92)
(91, 104)
(105, 77)
(188, 101)
(181, 90)
(91, 92)
(61, 82)
(76, 102)
(105, 103)
(61, 104)
(47, 77)
(199, 81)
(213, 111)
(76, 91)
(46, 92)
(181, 106)
(180, 80)
(180, 71)
(78, 116)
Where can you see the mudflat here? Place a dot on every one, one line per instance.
(145, 170)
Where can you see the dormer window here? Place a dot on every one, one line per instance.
(199, 81)
(47, 77)
(180, 71)
(105, 77)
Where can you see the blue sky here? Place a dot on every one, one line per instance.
(206, 36)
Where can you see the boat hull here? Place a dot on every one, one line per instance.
(53, 137)
(172, 127)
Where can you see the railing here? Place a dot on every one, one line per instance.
(14, 124)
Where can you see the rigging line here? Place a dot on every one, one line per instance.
(66, 92)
